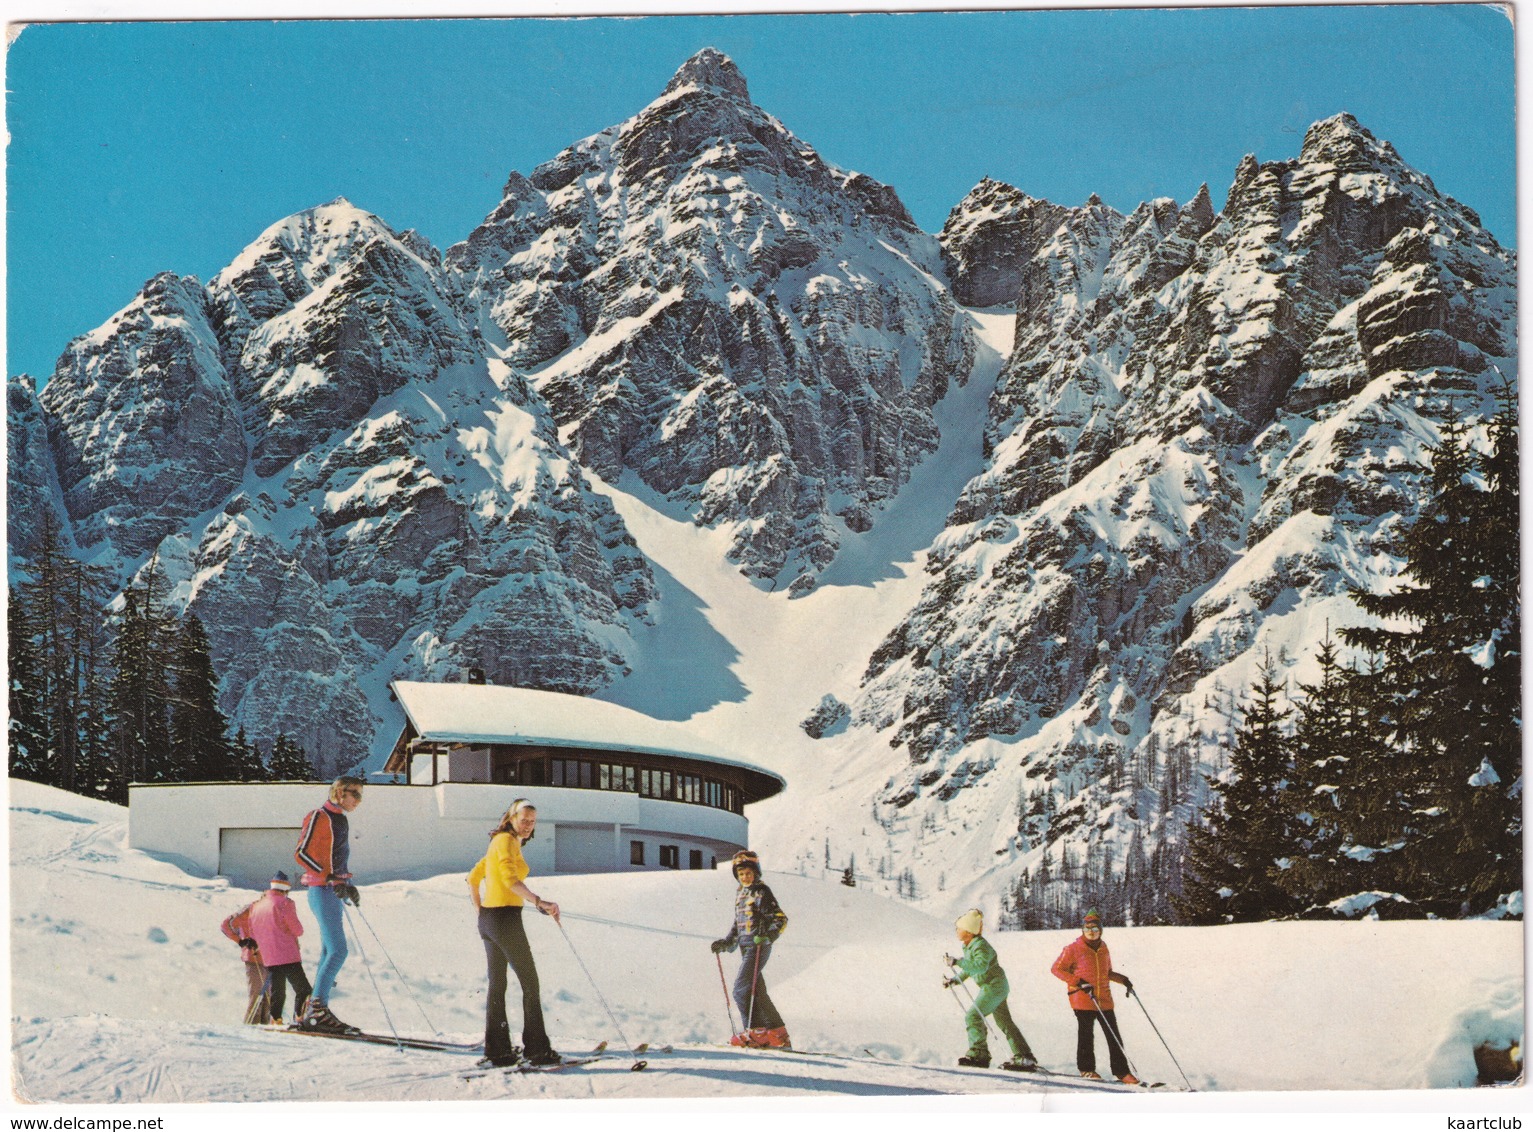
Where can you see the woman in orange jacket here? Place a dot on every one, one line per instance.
(1085, 966)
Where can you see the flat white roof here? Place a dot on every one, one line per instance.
(482, 714)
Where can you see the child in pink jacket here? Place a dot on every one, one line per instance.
(275, 927)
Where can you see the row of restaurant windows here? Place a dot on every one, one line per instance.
(670, 856)
(589, 774)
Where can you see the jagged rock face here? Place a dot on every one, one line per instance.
(989, 240)
(706, 302)
(143, 421)
(1206, 432)
(406, 508)
(330, 312)
(31, 488)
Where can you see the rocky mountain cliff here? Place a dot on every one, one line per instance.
(336, 476)
(1207, 428)
(357, 458)
(705, 302)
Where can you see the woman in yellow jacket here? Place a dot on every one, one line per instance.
(503, 871)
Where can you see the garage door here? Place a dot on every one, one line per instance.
(249, 857)
(585, 849)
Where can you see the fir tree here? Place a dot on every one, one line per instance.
(1233, 860)
(1451, 673)
(55, 626)
(27, 731)
(288, 762)
(1324, 746)
(199, 732)
(140, 693)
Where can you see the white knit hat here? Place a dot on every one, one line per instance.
(972, 921)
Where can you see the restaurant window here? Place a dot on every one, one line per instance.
(670, 857)
(636, 852)
(695, 859)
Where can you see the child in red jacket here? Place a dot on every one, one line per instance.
(1086, 968)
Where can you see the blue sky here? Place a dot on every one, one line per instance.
(137, 148)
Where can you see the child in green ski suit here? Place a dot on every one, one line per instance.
(979, 962)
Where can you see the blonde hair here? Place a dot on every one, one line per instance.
(510, 815)
(345, 784)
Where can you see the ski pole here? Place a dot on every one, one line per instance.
(260, 1002)
(1135, 996)
(724, 986)
(1112, 1031)
(637, 1065)
(397, 972)
(973, 1005)
(368, 967)
(755, 974)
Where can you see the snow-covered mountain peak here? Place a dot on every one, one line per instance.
(1342, 140)
(293, 258)
(821, 339)
(710, 68)
(308, 243)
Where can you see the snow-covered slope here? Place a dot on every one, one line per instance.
(123, 990)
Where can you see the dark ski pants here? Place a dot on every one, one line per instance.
(1085, 1041)
(278, 979)
(756, 1008)
(505, 942)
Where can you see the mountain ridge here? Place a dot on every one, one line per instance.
(360, 458)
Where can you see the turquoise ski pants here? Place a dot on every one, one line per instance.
(992, 1001)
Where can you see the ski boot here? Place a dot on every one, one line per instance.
(774, 1038)
(975, 1060)
(317, 1016)
(501, 1060)
(1021, 1065)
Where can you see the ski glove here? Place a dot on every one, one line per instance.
(349, 894)
(722, 945)
(1128, 984)
(758, 940)
(247, 943)
(949, 960)
(949, 981)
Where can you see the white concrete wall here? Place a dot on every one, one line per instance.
(411, 832)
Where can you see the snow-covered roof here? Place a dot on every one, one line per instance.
(483, 714)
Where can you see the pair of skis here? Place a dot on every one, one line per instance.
(1040, 1070)
(597, 1054)
(388, 1040)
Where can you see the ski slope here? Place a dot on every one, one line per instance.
(124, 991)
